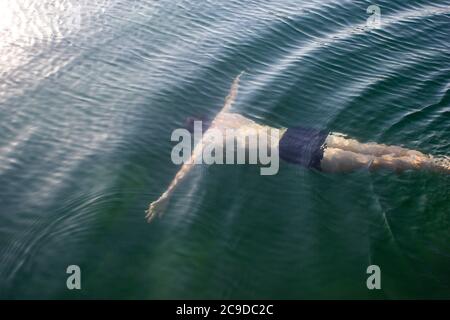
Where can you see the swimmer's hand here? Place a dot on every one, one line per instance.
(156, 208)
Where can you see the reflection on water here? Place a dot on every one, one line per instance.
(90, 92)
(30, 30)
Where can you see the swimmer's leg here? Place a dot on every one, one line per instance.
(338, 160)
(401, 163)
(336, 140)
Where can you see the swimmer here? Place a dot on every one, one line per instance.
(308, 147)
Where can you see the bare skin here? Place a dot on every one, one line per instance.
(341, 154)
(157, 207)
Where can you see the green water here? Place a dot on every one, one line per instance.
(86, 114)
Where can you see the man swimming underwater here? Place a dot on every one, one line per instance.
(308, 147)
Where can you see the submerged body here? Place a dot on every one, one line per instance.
(329, 152)
(308, 147)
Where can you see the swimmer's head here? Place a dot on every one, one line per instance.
(190, 123)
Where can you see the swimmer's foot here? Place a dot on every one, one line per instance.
(440, 164)
(156, 208)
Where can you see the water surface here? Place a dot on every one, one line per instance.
(90, 92)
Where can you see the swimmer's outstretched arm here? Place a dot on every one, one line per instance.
(157, 207)
(229, 100)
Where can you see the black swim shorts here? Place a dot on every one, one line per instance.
(303, 146)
